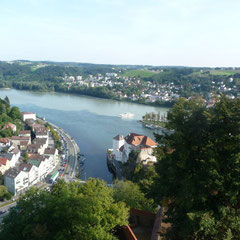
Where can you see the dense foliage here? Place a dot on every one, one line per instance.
(130, 193)
(69, 211)
(198, 170)
(9, 114)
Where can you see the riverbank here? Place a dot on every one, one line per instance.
(152, 104)
(73, 165)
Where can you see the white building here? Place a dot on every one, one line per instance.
(26, 116)
(15, 181)
(143, 144)
(118, 142)
(32, 173)
(52, 153)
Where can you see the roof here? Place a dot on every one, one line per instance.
(50, 151)
(118, 137)
(41, 131)
(4, 140)
(36, 156)
(15, 150)
(34, 162)
(24, 132)
(143, 141)
(121, 148)
(23, 143)
(9, 156)
(3, 161)
(11, 172)
(20, 138)
(25, 113)
(33, 146)
(9, 125)
(40, 141)
(26, 167)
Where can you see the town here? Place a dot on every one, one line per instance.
(29, 158)
(123, 86)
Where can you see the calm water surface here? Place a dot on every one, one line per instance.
(93, 122)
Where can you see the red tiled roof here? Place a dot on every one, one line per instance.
(136, 139)
(9, 125)
(4, 140)
(3, 161)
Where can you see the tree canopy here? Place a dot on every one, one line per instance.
(70, 211)
(198, 170)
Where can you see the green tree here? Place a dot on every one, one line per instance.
(6, 99)
(70, 211)
(15, 113)
(130, 193)
(198, 169)
(25, 157)
(4, 194)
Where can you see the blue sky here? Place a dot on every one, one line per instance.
(155, 32)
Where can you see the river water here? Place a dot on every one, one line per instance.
(92, 122)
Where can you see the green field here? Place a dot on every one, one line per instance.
(224, 72)
(138, 73)
(35, 67)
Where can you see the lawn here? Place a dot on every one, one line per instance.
(224, 72)
(139, 73)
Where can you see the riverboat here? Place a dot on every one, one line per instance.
(126, 115)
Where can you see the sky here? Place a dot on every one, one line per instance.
(145, 32)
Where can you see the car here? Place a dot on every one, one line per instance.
(2, 211)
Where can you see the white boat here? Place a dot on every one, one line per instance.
(126, 115)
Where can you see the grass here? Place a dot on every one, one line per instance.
(224, 72)
(35, 67)
(138, 73)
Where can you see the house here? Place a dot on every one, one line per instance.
(26, 116)
(25, 133)
(4, 165)
(35, 148)
(37, 127)
(39, 161)
(15, 181)
(134, 142)
(13, 156)
(42, 141)
(10, 126)
(52, 153)
(41, 133)
(4, 143)
(32, 173)
(23, 145)
(17, 139)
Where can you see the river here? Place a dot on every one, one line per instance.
(92, 122)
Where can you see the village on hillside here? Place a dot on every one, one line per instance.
(29, 157)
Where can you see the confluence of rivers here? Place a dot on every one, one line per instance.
(92, 122)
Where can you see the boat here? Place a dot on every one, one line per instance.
(126, 115)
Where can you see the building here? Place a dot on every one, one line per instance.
(52, 153)
(18, 139)
(26, 116)
(25, 133)
(4, 143)
(11, 126)
(31, 171)
(134, 142)
(4, 165)
(15, 181)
